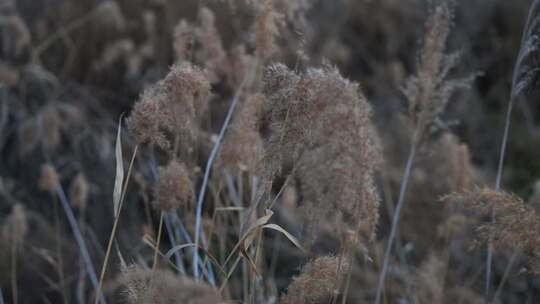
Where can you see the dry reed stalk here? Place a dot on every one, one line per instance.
(428, 93)
(242, 145)
(115, 224)
(14, 232)
(523, 80)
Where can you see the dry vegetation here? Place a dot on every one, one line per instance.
(269, 151)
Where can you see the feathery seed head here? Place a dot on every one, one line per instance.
(516, 224)
(242, 147)
(109, 15)
(319, 123)
(16, 226)
(317, 282)
(51, 123)
(189, 85)
(49, 178)
(79, 191)
(173, 187)
(163, 287)
(183, 36)
(429, 90)
(266, 29)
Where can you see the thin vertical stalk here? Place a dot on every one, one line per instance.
(14, 291)
(158, 239)
(80, 241)
(115, 226)
(172, 238)
(395, 219)
(506, 274)
(489, 258)
(209, 163)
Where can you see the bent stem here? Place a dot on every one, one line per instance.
(115, 226)
(395, 219)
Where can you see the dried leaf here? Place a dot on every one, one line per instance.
(119, 179)
(286, 233)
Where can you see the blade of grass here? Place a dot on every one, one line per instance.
(117, 214)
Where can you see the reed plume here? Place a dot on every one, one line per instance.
(164, 287)
(168, 113)
(526, 75)
(49, 179)
(79, 190)
(242, 146)
(428, 93)
(319, 123)
(14, 232)
(317, 282)
(516, 224)
(173, 186)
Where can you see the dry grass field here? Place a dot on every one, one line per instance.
(269, 151)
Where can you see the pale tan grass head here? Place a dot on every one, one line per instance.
(317, 282)
(319, 123)
(164, 287)
(516, 224)
(173, 187)
(49, 179)
(15, 227)
(79, 191)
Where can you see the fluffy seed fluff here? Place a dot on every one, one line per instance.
(516, 224)
(51, 124)
(168, 113)
(317, 282)
(429, 90)
(15, 226)
(163, 287)
(429, 281)
(49, 179)
(109, 15)
(173, 186)
(79, 190)
(242, 147)
(266, 29)
(212, 52)
(318, 123)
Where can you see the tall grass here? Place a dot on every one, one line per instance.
(256, 172)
